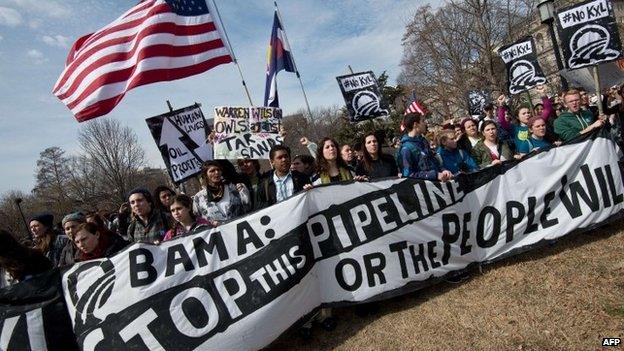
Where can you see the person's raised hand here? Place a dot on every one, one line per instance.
(599, 123)
(501, 100)
(211, 137)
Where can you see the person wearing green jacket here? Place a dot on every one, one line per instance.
(575, 121)
(490, 150)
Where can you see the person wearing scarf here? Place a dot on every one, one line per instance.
(94, 242)
(220, 201)
(330, 167)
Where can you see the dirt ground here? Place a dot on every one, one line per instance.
(562, 297)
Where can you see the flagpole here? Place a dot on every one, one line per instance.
(240, 72)
(305, 96)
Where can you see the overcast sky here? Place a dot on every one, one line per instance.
(325, 36)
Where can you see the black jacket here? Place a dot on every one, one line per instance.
(266, 193)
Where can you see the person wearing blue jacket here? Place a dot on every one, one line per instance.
(415, 157)
(452, 158)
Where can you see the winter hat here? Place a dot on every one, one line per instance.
(47, 219)
(74, 217)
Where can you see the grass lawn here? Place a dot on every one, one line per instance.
(562, 297)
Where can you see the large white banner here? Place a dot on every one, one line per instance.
(241, 285)
(238, 287)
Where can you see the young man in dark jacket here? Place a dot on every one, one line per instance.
(416, 159)
(280, 183)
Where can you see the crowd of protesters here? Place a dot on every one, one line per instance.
(465, 146)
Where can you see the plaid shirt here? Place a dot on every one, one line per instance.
(153, 230)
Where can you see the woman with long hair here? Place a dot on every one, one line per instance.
(46, 239)
(375, 164)
(18, 261)
(162, 197)
(95, 242)
(220, 201)
(469, 134)
(330, 165)
(185, 220)
(490, 150)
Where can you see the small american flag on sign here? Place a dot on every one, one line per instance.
(155, 41)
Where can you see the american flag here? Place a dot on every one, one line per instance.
(415, 106)
(155, 41)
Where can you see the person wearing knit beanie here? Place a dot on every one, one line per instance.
(71, 222)
(41, 223)
(74, 217)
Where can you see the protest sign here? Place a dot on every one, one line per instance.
(246, 132)
(240, 285)
(182, 138)
(362, 96)
(589, 34)
(477, 99)
(523, 69)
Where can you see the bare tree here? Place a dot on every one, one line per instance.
(83, 183)
(115, 154)
(324, 121)
(10, 217)
(451, 50)
(52, 176)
